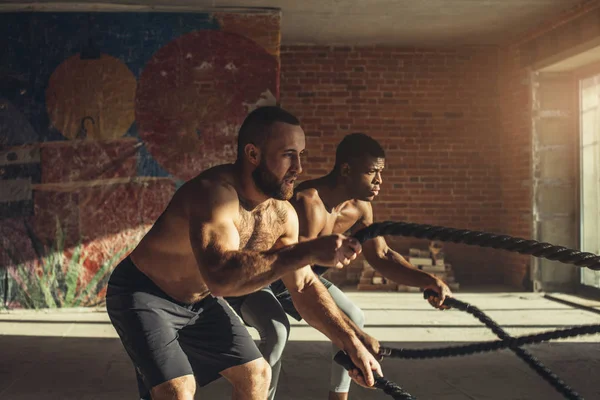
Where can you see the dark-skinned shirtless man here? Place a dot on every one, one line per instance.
(227, 232)
(339, 202)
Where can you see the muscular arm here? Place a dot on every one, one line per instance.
(312, 219)
(316, 306)
(311, 298)
(390, 263)
(227, 270)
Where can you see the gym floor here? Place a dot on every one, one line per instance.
(75, 354)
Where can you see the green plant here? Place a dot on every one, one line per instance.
(56, 277)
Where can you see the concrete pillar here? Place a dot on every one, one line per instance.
(555, 176)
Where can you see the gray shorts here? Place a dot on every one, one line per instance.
(167, 339)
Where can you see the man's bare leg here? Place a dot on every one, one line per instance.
(250, 381)
(181, 388)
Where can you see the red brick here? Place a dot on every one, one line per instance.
(442, 115)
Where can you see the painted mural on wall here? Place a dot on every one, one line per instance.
(102, 117)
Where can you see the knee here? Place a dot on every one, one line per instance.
(259, 372)
(182, 388)
(252, 376)
(263, 372)
(356, 315)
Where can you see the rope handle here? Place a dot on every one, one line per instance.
(432, 293)
(387, 386)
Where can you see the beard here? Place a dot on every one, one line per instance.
(269, 184)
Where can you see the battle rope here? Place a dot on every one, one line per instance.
(507, 341)
(480, 347)
(529, 359)
(388, 387)
(483, 239)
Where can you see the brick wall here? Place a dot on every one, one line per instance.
(515, 158)
(436, 114)
(456, 125)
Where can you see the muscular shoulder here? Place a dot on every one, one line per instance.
(311, 212)
(308, 197)
(209, 191)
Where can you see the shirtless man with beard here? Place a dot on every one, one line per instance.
(227, 232)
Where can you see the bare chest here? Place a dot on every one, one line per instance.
(341, 221)
(260, 230)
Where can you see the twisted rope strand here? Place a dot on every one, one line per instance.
(482, 239)
(527, 357)
(472, 348)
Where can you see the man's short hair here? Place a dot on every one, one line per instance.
(256, 126)
(354, 147)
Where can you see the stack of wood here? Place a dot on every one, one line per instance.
(430, 260)
(371, 280)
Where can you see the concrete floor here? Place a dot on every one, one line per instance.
(74, 354)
